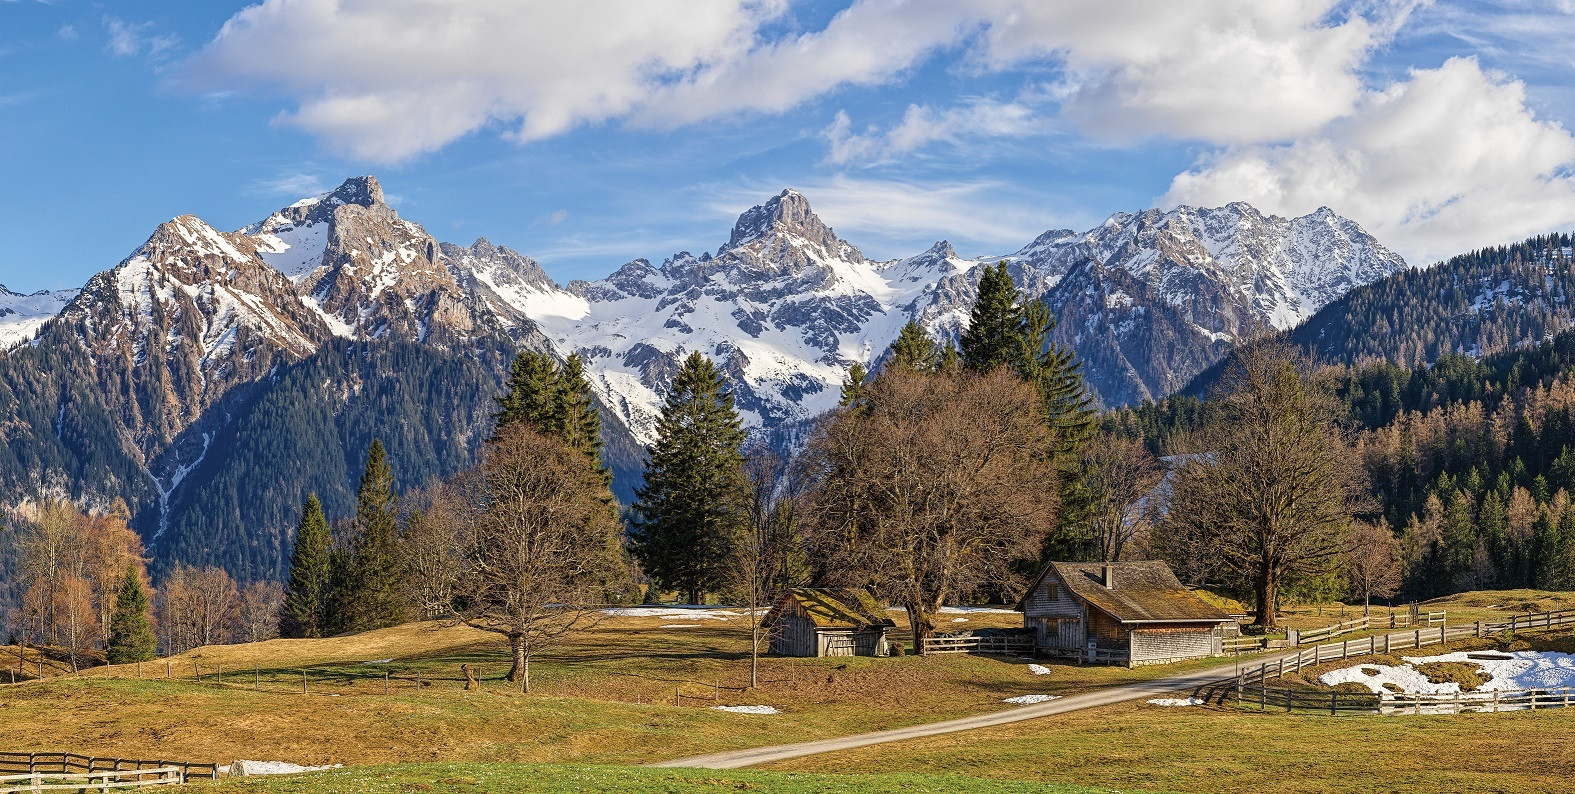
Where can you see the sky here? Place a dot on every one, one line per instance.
(587, 134)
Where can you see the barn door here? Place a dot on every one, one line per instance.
(1072, 634)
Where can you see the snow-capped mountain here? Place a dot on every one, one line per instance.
(783, 307)
(22, 315)
(172, 376)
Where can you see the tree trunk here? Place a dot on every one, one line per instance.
(694, 595)
(921, 626)
(1367, 602)
(1265, 587)
(517, 646)
(754, 649)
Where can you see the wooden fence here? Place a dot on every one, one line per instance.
(992, 643)
(1334, 702)
(1254, 678)
(91, 781)
(1367, 623)
(62, 766)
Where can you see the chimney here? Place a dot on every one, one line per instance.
(1109, 576)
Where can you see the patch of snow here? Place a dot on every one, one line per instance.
(977, 611)
(1030, 699)
(1038, 669)
(670, 612)
(680, 625)
(379, 661)
(747, 709)
(244, 768)
(1177, 701)
(1510, 671)
(959, 620)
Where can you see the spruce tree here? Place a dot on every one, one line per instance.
(306, 594)
(580, 425)
(1055, 370)
(915, 350)
(533, 394)
(994, 335)
(130, 633)
(374, 570)
(695, 498)
(853, 386)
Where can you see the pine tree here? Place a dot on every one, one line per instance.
(1055, 370)
(581, 426)
(853, 386)
(695, 498)
(533, 395)
(915, 350)
(130, 633)
(306, 594)
(374, 570)
(994, 335)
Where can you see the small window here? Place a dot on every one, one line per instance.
(1052, 591)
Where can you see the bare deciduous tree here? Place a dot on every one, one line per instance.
(1373, 562)
(429, 552)
(538, 542)
(1272, 488)
(197, 607)
(1118, 476)
(931, 488)
(768, 555)
(259, 610)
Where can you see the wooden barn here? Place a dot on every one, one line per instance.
(812, 622)
(1131, 613)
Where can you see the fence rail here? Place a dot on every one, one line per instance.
(1000, 644)
(57, 764)
(1334, 702)
(92, 781)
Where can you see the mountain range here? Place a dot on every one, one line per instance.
(193, 379)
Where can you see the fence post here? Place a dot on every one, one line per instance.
(1287, 701)
(385, 682)
(303, 680)
(166, 668)
(1495, 701)
(1418, 639)
(1263, 694)
(218, 677)
(1334, 702)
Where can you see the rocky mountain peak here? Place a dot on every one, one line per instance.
(364, 191)
(788, 213)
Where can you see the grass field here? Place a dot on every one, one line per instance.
(609, 699)
(550, 779)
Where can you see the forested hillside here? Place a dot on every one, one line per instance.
(1479, 303)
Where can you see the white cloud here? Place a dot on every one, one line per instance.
(922, 125)
(128, 39)
(293, 184)
(67, 33)
(557, 217)
(422, 73)
(387, 79)
(1449, 160)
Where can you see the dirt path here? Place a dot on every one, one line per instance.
(1121, 693)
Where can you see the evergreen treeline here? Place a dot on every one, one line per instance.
(1480, 303)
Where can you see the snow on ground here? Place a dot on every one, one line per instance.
(240, 768)
(748, 709)
(1508, 671)
(379, 661)
(1177, 701)
(959, 620)
(1038, 669)
(1030, 699)
(674, 612)
(680, 626)
(977, 611)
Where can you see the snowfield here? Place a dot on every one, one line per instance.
(670, 612)
(1508, 671)
(1176, 701)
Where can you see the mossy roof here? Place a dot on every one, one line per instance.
(833, 609)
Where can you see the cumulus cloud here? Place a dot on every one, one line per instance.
(386, 79)
(1448, 160)
(922, 125)
(422, 73)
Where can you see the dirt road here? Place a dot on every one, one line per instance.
(1122, 693)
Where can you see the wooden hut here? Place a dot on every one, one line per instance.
(812, 622)
(1131, 613)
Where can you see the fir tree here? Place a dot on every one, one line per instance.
(915, 350)
(130, 634)
(853, 386)
(580, 425)
(534, 394)
(306, 593)
(1055, 370)
(695, 498)
(994, 335)
(374, 570)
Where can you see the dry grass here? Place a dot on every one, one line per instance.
(1143, 747)
(608, 698)
(1468, 675)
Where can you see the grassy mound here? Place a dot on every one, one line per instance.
(1467, 674)
(548, 779)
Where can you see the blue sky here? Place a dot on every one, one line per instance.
(591, 133)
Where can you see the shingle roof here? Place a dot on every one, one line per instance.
(833, 609)
(1142, 592)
